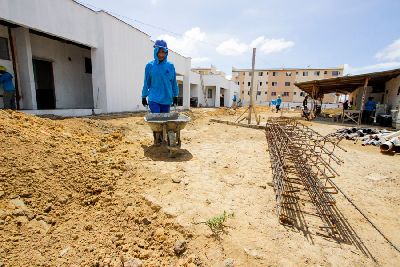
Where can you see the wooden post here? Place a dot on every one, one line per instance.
(253, 64)
(363, 100)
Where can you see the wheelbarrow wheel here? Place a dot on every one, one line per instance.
(172, 153)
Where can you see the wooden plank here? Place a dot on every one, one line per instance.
(252, 126)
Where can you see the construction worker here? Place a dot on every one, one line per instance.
(6, 81)
(234, 99)
(160, 86)
(305, 103)
(369, 109)
(278, 103)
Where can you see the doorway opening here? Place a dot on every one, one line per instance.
(44, 83)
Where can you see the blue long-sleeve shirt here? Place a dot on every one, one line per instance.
(160, 84)
(6, 81)
(370, 105)
(278, 101)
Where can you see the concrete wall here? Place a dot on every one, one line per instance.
(73, 87)
(119, 63)
(392, 98)
(63, 18)
(119, 53)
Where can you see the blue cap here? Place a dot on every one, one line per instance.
(161, 44)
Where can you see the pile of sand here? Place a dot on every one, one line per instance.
(69, 197)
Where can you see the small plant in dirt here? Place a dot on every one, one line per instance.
(216, 224)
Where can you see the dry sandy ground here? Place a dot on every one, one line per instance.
(221, 168)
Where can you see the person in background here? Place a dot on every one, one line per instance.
(369, 109)
(6, 81)
(305, 103)
(346, 105)
(273, 104)
(278, 103)
(234, 99)
(160, 86)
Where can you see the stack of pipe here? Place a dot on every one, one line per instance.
(370, 136)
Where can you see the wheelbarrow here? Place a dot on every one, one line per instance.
(166, 129)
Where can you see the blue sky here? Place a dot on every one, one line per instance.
(363, 35)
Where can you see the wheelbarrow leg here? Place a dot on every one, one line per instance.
(157, 138)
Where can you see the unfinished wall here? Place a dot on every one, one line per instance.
(73, 87)
(392, 98)
(119, 63)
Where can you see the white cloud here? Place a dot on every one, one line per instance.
(189, 44)
(269, 46)
(390, 53)
(233, 47)
(371, 68)
(154, 2)
(196, 61)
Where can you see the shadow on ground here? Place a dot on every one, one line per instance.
(160, 153)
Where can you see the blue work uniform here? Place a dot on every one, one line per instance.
(370, 105)
(160, 84)
(6, 81)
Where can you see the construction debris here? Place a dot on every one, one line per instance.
(387, 140)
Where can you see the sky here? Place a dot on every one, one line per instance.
(362, 35)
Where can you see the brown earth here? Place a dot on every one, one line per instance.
(95, 192)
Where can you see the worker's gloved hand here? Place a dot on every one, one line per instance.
(175, 101)
(144, 101)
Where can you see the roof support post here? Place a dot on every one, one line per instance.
(363, 100)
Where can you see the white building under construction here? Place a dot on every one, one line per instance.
(70, 60)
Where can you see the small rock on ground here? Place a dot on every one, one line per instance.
(133, 263)
(180, 247)
(229, 263)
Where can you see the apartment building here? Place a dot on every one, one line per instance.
(269, 83)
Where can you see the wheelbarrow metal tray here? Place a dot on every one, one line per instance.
(156, 125)
(162, 116)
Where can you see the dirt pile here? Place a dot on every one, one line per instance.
(68, 197)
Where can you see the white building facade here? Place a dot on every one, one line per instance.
(210, 88)
(70, 60)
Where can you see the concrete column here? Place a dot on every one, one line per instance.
(23, 51)
(186, 91)
(99, 80)
(217, 96)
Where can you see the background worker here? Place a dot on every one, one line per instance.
(160, 86)
(305, 103)
(234, 99)
(369, 109)
(346, 105)
(278, 103)
(6, 82)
